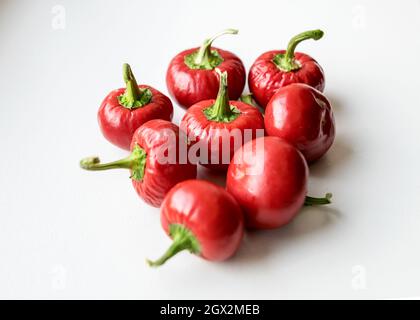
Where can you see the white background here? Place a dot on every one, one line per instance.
(68, 233)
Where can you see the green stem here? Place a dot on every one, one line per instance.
(204, 54)
(183, 239)
(221, 110)
(287, 62)
(247, 98)
(205, 58)
(311, 201)
(133, 97)
(136, 162)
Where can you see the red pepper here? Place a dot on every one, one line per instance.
(301, 115)
(124, 110)
(191, 75)
(268, 177)
(279, 68)
(203, 218)
(216, 123)
(152, 175)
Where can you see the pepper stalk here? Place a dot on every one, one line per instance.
(286, 61)
(221, 110)
(312, 201)
(136, 162)
(183, 239)
(133, 97)
(205, 58)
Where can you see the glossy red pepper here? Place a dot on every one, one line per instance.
(124, 110)
(279, 68)
(153, 170)
(203, 218)
(268, 177)
(221, 126)
(191, 75)
(303, 116)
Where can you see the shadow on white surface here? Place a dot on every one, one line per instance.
(218, 177)
(259, 245)
(339, 154)
(336, 105)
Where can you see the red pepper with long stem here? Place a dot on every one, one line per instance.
(279, 68)
(218, 125)
(125, 109)
(303, 116)
(202, 218)
(268, 177)
(191, 75)
(155, 161)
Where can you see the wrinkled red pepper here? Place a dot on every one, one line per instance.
(279, 68)
(202, 218)
(191, 75)
(152, 177)
(124, 110)
(211, 123)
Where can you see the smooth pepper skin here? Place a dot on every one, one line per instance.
(267, 74)
(268, 177)
(212, 215)
(303, 116)
(118, 123)
(159, 177)
(229, 120)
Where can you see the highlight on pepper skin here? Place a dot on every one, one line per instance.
(124, 110)
(191, 76)
(264, 158)
(275, 69)
(212, 229)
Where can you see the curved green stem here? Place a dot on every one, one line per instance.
(183, 239)
(286, 61)
(204, 53)
(221, 110)
(133, 97)
(136, 162)
(205, 58)
(311, 201)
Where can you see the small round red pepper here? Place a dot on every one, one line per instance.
(191, 75)
(125, 109)
(268, 177)
(279, 68)
(152, 175)
(303, 116)
(203, 218)
(215, 124)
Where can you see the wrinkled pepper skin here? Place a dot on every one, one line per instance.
(210, 213)
(265, 78)
(279, 68)
(157, 161)
(118, 123)
(195, 124)
(212, 133)
(158, 177)
(302, 116)
(268, 177)
(189, 86)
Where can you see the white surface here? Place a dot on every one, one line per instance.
(68, 233)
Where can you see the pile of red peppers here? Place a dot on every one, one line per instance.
(263, 143)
